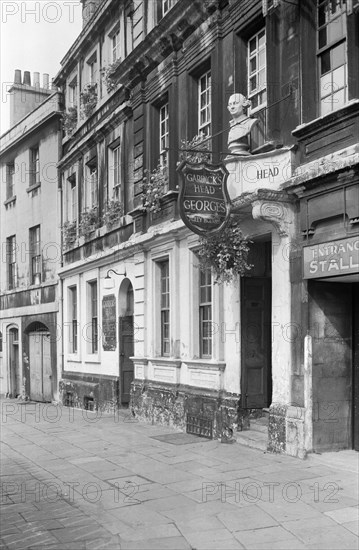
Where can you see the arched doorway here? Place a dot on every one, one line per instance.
(126, 339)
(40, 362)
(14, 364)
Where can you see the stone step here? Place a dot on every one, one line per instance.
(253, 439)
(259, 426)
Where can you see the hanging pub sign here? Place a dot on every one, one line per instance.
(203, 200)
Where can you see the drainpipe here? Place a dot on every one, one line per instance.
(308, 393)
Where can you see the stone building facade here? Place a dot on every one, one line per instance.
(30, 241)
(142, 325)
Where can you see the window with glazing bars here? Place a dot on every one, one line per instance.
(11, 261)
(34, 166)
(165, 308)
(116, 156)
(35, 255)
(205, 313)
(116, 46)
(93, 316)
(10, 171)
(257, 70)
(167, 5)
(164, 134)
(332, 55)
(204, 104)
(73, 318)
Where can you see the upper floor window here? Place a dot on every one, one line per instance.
(34, 166)
(11, 261)
(71, 205)
(91, 192)
(332, 57)
(73, 93)
(165, 308)
(167, 5)
(10, 187)
(73, 318)
(204, 104)
(35, 255)
(257, 70)
(205, 313)
(115, 41)
(92, 69)
(164, 134)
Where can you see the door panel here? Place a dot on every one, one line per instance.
(35, 343)
(40, 366)
(126, 351)
(46, 368)
(256, 339)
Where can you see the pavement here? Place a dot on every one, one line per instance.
(73, 479)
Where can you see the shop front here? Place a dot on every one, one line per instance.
(331, 269)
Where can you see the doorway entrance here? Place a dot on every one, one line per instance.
(40, 366)
(256, 372)
(14, 365)
(126, 340)
(334, 325)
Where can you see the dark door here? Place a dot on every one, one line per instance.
(256, 378)
(356, 367)
(15, 381)
(126, 351)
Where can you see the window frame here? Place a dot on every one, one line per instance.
(328, 48)
(35, 166)
(73, 318)
(11, 262)
(164, 120)
(205, 306)
(92, 299)
(258, 90)
(10, 183)
(207, 75)
(91, 189)
(165, 307)
(35, 254)
(73, 92)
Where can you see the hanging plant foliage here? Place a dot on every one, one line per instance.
(196, 149)
(154, 187)
(225, 253)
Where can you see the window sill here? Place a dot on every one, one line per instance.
(10, 201)
(33, 187)
(208, 364)
(307, 128)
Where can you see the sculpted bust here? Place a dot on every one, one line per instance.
(241, 125)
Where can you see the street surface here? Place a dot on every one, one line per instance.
(74, 479)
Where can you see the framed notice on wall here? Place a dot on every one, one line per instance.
(109, 325)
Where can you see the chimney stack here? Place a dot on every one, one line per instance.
(17, 77)
(27, 78)
(45, 81)
(36, 81)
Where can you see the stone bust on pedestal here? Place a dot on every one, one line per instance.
(241, 125)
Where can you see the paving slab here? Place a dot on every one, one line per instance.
(81, 483)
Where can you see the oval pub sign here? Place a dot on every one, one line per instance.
(203, 199)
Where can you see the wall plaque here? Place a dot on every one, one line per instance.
(109, 324)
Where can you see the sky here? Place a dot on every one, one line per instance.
(34, 36)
